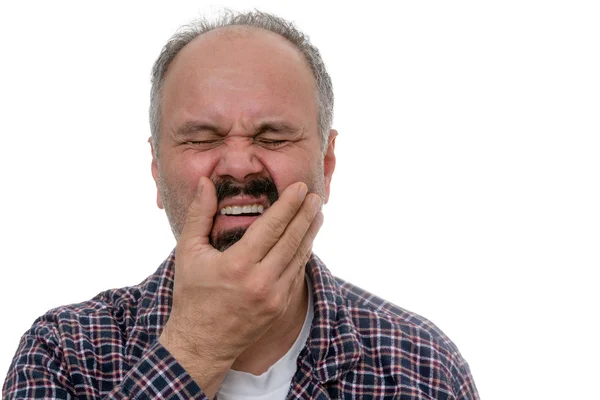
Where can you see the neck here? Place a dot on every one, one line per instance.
(278, 339)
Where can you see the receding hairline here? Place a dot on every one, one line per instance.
(244, 22)
(193, 51)
(233, 32)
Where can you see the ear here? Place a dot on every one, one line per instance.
(329, 162)
(155, 174)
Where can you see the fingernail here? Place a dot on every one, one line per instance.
(316, 202)
(302, 191)
(319, 217)
(200, 187)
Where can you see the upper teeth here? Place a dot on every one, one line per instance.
(247, 209)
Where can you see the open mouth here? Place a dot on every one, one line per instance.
(249, 210)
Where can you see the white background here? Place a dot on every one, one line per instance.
(467, 187)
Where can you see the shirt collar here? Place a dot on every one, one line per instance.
(334, 341)
(334, 345)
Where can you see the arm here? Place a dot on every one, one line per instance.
(36, 370)
(250, 283)
(224, 301)
(464, 385)
(39, 371)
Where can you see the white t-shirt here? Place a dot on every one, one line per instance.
(274, 384)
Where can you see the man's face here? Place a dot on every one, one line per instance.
(238, 106)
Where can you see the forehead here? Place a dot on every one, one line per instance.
(239, 69)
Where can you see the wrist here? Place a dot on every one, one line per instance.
(206, 368)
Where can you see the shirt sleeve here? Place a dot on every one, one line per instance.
(39, 371)
(157, 375)
(464, 385)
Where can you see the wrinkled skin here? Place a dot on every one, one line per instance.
(239, 105)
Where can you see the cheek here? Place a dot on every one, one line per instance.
(187, 168)
(288, 169)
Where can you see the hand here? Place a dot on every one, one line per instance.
(223, 302)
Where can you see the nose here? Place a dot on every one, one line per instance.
(238, 161)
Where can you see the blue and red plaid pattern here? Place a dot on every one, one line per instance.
(360, 347)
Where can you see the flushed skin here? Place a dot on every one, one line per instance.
(239, 104)
(235, 82)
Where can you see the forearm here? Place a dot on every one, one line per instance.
(157, 375)
(38, 372)
(203, 365)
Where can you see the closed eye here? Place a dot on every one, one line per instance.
(202, 141)
(203, 144)
(272, 143)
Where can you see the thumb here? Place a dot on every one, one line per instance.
(201, 213)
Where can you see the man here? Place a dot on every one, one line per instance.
(243, 156)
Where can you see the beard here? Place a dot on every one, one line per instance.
(228, 188)
(176, 198)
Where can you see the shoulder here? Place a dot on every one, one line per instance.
(82, 347)
(362, 302)
(111, 310)
(403, 343)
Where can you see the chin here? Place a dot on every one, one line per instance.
(225, 239)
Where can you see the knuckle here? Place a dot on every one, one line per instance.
(187, 250)
(275, 305)
(194, 214)
(309, 213)
(298, 261)
(275, 225)
(303, 251)
(237, 270)
(292, 207)
(301, 258)
(293, 243)
(260, 292)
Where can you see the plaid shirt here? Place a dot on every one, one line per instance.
(359, 347)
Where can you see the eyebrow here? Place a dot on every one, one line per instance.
(191, 127)
(279, 127)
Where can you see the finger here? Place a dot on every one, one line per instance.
(268, 228)
(294, 237)
(201, 213)
(295, 268)
(289, 286)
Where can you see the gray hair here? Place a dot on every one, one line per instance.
(255, 19)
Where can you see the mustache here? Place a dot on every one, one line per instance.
(254, 188)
